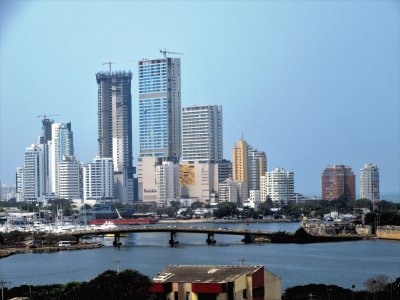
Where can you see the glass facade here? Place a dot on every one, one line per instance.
(159, 107)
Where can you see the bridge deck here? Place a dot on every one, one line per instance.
(172, 229)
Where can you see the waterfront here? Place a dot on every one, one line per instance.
(344, 263)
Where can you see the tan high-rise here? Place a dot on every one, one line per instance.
(239, 161)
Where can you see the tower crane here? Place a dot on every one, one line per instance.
(164, 52)
(109, 63)
(44, 116)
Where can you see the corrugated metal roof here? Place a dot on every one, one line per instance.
(203, 274)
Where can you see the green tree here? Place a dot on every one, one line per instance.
(225, 209)
(264, 208)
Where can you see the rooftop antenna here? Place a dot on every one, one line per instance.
(164, 52)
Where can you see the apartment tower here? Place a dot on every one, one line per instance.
(369, 182)
(338, 181)
(115, 129)
(239, 161)
(60, 145)
(279, 186)
(202, 133)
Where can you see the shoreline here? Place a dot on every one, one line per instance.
(9, 251)
(221, 221)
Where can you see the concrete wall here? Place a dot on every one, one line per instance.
(388, 232)
(272, 286)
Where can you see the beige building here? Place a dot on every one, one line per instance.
(239, 161)
(216, 282)
(147, 189)
(198, 180)
(248, 165)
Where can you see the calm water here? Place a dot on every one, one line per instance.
(343, 263)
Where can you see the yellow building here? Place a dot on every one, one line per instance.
(239, 161)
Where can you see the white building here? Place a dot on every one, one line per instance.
(19, 188)
(369, 182)
(69, 178)
(256, 167)
(34, 174)
(280, 185)
(202, 133)
(167, 182)
(228, 191)
(98, 179)
(61, 145)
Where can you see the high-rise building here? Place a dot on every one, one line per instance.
(160, 107)
(202, 133)
(239, 161)
(61, 145)
(256, 167)
(98, 179)
(33, 174)
(248, 165)
(369, 182)
(338, 181)
(69, 181)
(115, 129)
(19, 184)
(280, 185)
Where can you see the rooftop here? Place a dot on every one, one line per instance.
(203, 274)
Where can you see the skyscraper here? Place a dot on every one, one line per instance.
(115, 128)
(239, 161)
(369, 182)
(160, 107)
(202, 133)
(33, 174)
(248, 165)
(338, 181)
(256, 167)
(61, 145)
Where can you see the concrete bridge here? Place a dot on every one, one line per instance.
(248, 235)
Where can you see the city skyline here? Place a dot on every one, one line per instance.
(308, 96)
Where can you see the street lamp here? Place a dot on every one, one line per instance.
(352, 287)
(329, 293)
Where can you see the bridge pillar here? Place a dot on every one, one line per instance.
(248, 238)
(172, 241)
(210, 238)
(116, 242)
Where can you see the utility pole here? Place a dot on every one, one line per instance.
(117, 262)
(2, 282)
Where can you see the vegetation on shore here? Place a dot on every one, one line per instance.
(377, 288)
(128, 284)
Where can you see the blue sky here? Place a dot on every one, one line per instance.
(310, 83)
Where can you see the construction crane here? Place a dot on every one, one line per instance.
(164, 52)
(44, 116)
(113, 63)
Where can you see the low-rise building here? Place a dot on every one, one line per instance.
(216, 282)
